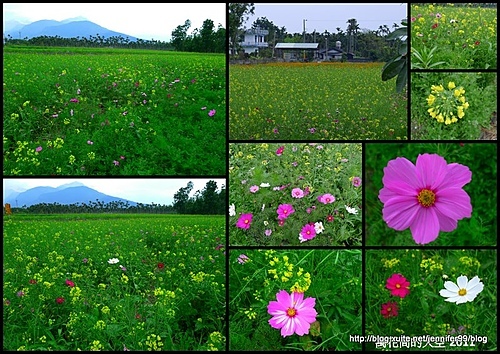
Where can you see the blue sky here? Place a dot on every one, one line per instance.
(157, 190)
(141, 20)
(322, 16)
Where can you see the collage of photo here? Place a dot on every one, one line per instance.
(250, 176)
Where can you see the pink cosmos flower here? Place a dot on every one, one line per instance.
(292, 313)
(70, 283)
(307, 233)
(211, 113)
(297, 193)
(326, 198)
(60, 300)
(90, 142)
(268, 232)
(280, 150)
(284, 211)
(398, 285)
(116, 163)
(356, 181)
(244, 221)
(243, 258)
(254, 188)
(389, 309)
(38, 149)
(426, 197)
(75, 100)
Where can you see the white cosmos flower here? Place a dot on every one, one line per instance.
(232, 210)
(113, 260)
(318, 227)
(463, 291)
(264, 184)
(351, 210)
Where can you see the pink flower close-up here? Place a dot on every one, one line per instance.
(291, 313)
(398, 285)
(244, 221)
(38, 149)
(280, 150)
(284, 211)
(426, 197)
(356, 181)
(212, 112)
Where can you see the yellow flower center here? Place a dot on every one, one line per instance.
(462, 292)
(291, 312)
(246, 221)
(398, 286)
(388, 309)
(426, 198)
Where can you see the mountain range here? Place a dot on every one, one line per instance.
(70, 28)
(71, 193)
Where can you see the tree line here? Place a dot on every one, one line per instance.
(207, 39)
(370, 44)
(208, 201)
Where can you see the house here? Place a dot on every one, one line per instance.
(332, 53)
(295, 51)
(254, 39)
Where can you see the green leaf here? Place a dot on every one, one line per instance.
(400, 32)
(402, 78)
(393, 69)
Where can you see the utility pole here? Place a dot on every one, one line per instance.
(304, 55)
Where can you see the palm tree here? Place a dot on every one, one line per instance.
(352, 31)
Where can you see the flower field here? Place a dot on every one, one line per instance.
(113, 112)
(326, 285)
(314, 101)
(292, 194)
(446, 36)
(451, 294)
(452, 106)
(114, 282)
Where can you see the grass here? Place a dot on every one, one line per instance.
(445, 36)
(76, 111)
(471, 326)
(331, 277)
(479, 97)
(314, 101)
(264, 176)
(481, 159)
(166, 292)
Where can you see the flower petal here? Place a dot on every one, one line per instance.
(451, 286)
(399, 212)
(458, 176)
(399, 176)
(447, 293)
(431, 170)
(454, 203)
(462, 282)
(446, 224)
(425, 226)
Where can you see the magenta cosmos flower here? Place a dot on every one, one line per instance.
(307, 233)
(426, 197)
(389, 309)
(244, 221)
(292, 313)
(284, 211)
(398, 285)
(326, 198)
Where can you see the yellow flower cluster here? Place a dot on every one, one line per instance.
(389, 263)
(283, 271)
(447, 106)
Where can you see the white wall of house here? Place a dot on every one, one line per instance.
(254, 39)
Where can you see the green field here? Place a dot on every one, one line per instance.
(315, 101)
(64, 290)
(80, 111)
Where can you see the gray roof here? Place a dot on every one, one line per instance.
(296, 46)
